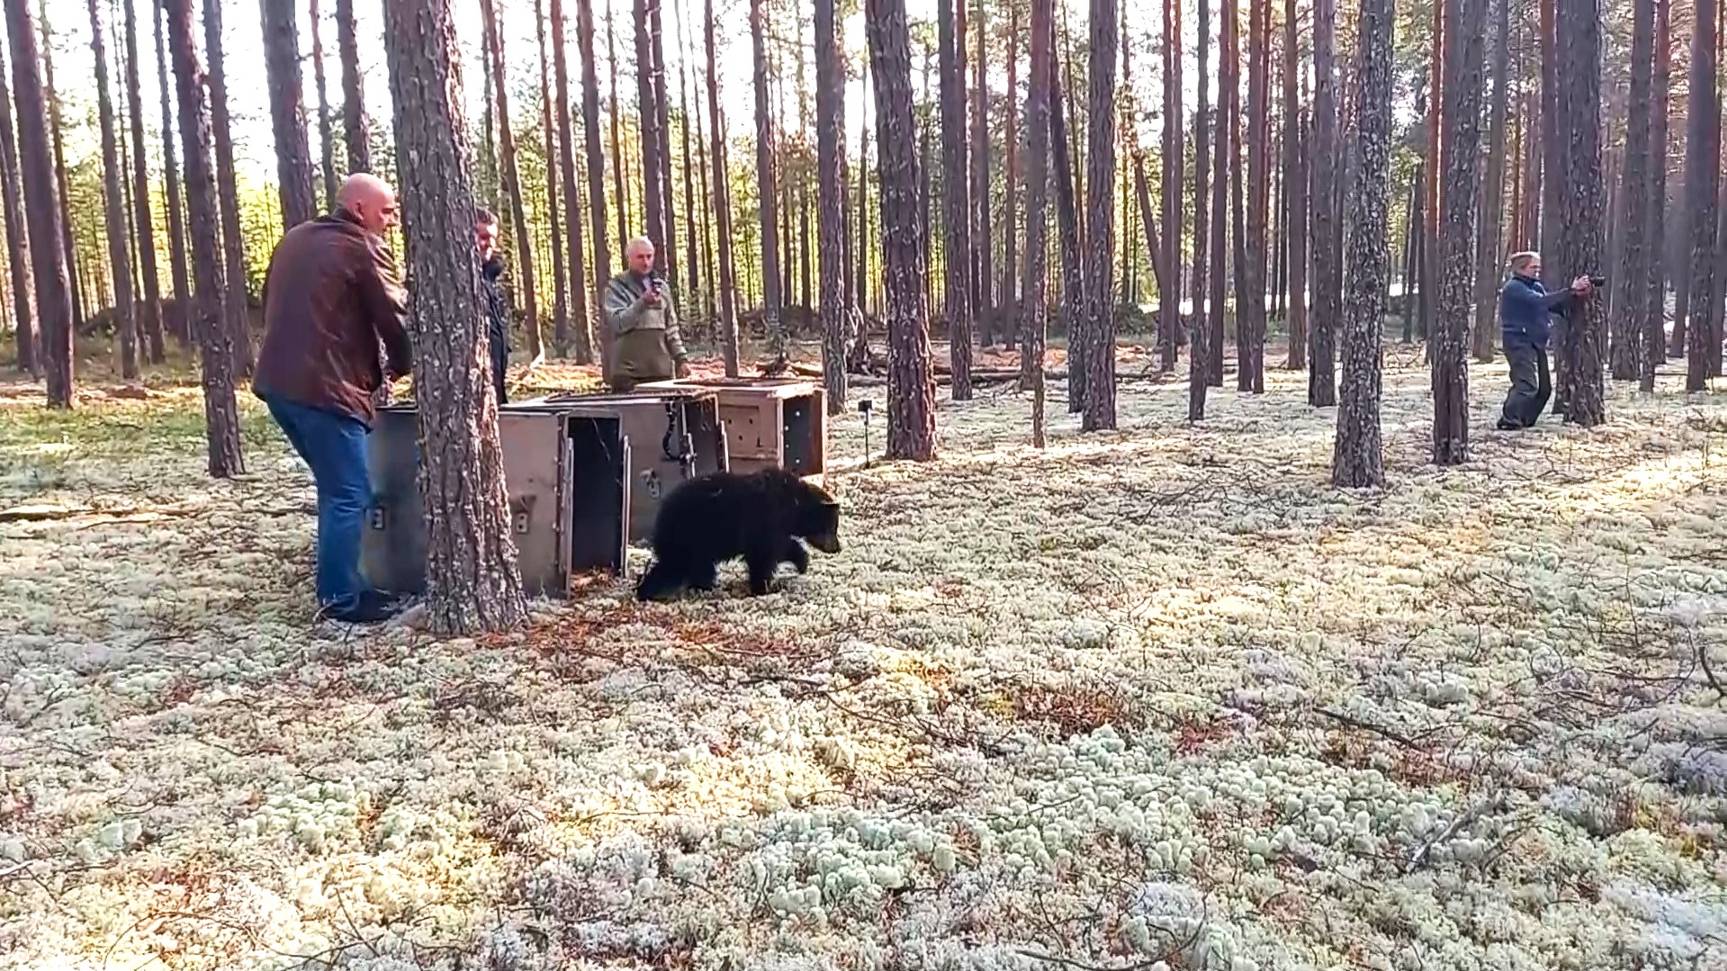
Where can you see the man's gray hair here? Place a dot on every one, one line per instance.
(1520, 260)
(636, 244)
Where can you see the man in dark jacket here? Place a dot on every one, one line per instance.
(1525, 321)
(497, 309)
(331, 294)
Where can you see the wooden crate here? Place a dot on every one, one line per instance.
(769, 421)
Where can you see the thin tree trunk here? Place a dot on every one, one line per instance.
(1654, 325)
(1413, 236)
(1009, 296)
(181, 319)
(63, 186)
(326, 126)
(768, 191)
(692, 263)
(1060, 171)
(1169, 284)
(47, 256)
(1201, 348)
(513, 186)
(1099, 411)
(830, 144)
(141, 218)
(1327, 257)
(1039, 129)
(560, 304)
(956, 201)
(1631, 306)
(114, 203)
(1461, 84)
(666, 245)
(18, 261)
(1295, 176)
(221, 413)
(1358, 457)
(722, 209)
(356, 125)
(581, 324)
(983, 288)
(1582, 224)
(1252, 377)
(472, 582)
(287, 115)
(1702, 162)
(228, 193)
(1430, 245)
(601, 267)
(1240, 184)
(620, 201)
(1488, 248)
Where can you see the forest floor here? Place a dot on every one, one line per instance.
(1154, 695)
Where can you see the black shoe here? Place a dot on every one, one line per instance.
(1507, 425)
(373, 607)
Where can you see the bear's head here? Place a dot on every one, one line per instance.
(818, 517)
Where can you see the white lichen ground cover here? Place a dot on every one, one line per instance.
(1160, 695)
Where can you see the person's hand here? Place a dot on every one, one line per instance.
(1583, 285)
(683, 369)
(652, 297)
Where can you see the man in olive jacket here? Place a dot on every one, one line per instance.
(331, 295)
(646, 345)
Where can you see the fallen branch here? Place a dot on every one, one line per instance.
(1403, 740)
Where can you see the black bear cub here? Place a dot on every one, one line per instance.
(760, 517)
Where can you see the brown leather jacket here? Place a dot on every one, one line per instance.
(331, 294)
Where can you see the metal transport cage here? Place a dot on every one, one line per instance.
(769, 421)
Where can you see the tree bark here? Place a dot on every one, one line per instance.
(1223, 174)
(1702, 162)
(512, 185)
(151, 323)
(911, 384)
(287, 114)
(648, 128)
(326, 126)
(722, 209)
(560, 304)
(114, 202)
(830, 144)
(1582, 224)
(472, 582)
(621, 207)
(1039, 129)
(983, 288)
(1295, 176)
(956, 201)
(1327, 258)
(1067, 227)
(227, 187)
(1489, 252)
(767, 188)
(1252, 376)
(1008, 297)
(1169, 282)
(63, 186)
(1654, 325)
(1200, 348)
(221, 413)
(356, 126)
(1099, 413)
(1631, 306)
(42, 208)
(666, 254)
(1358, 457)
(581, 323)
(1461, 142)
(692, 234)
(596, 174)
(18, 261)
(181, 319)
(1430, 244)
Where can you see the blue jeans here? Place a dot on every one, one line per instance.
(334, 445)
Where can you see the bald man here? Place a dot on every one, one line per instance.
(331, 295)
(646, 345)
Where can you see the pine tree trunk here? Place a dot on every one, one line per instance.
(1252, 377)
(560, 305)
(1239, 184)
(1169, 285)
(1582, 223)
(1060, 172)
(1654, 324)
(956, 201)
(1552, 160)
(1702, 162)
(228, 193)
(512, 185)
(911, 381)
(63, 186)
(1631, 304)
(983, 288)
(1040, 129)
(581, 331)
(601, 267)
(18, 261)
(472, 582)
(1464, 24)
(648, 129)
(722, 209)
(830, 144)
(326, 127)
(1200, 347)
(151, 322)
(1008, 296)
(692, 236)
(287, 116)
(114, 203)
(356, 126)
(1327, 258)
(620, 207)
(768, 192)
(1357, 459)
(1295, 178)
(1489, 252)
(180, 320)
(667, 246)
(221, 413)
(42, 208)
(1430, 245)
(1099, 413)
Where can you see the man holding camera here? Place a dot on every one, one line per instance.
(1525, 320)
(646, 345)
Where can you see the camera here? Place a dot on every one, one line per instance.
(1598, 282)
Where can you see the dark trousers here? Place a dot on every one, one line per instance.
(499, 351)
(1531, 382)
(334, 445)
